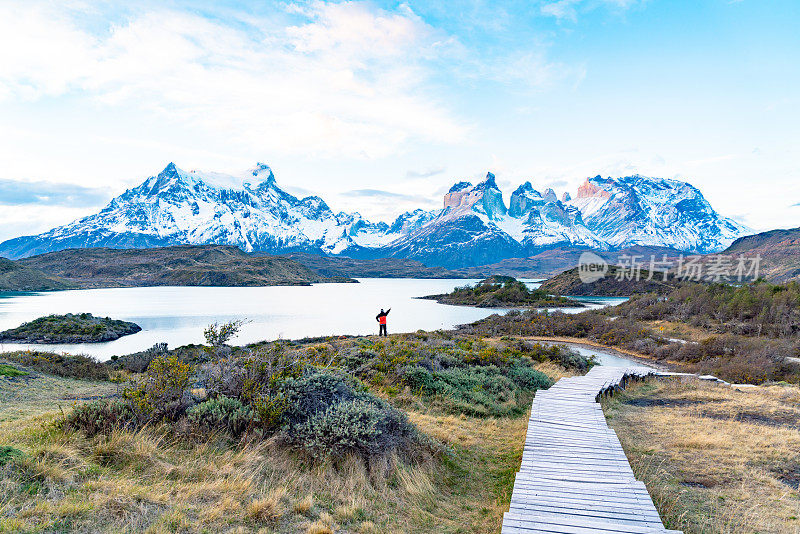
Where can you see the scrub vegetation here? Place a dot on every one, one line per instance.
(419, 432)
(742, 334)
(503, 292)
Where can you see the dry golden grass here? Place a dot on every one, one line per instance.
(147, 482)
(30, 396)
(304, 505)
(678, 330)
(714, 459)
(268, 507)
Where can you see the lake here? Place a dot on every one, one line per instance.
(178, 315)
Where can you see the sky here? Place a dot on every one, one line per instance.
(379, 107)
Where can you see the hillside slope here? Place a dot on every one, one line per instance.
(553, 261)
(569, 283)
(779, 251)
(209, 265)
(17, 277)
(339, 266)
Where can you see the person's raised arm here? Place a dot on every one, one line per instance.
(387, 311)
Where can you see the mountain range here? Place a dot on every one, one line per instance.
(473, 227)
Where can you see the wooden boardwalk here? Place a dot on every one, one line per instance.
(575, 478)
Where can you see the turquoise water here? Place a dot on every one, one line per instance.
(178, 315)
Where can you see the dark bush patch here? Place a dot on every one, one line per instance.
(138, 362)
(221, 414)
(479, 390)
(327, 417)
(101, 417)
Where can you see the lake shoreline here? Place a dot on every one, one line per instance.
(621, 353)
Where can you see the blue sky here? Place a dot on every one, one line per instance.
(380, 106)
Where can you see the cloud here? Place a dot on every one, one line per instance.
(379, 193)
(425, 174)
(569, 9)
(344, 79)
(23, 220)
(14, 192)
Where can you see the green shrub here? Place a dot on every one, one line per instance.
(327, 417)
(529, 378)
(161, 391)
(256, 378)
(485, 390)
(221, 414)
(101, 417)
(138, 362)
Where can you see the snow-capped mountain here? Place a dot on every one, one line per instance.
(474, 226)
(637, 210)
(179, 207)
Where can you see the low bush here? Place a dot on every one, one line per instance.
(479, 390)
(327, 416)
(138, 362)
(11, 371)
(101, 417)
(162, 392)
(222, 414)
(63, 365)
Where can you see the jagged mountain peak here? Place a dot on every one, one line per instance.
(642, 210)
(460, 186)
(488, 183)
(474, 225)
(262, 169)
(523, 199)
(589, 188)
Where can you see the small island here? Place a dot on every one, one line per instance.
(69, 328)
(503, 292)
(615, 283)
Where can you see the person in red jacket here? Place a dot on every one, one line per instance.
(381, 318)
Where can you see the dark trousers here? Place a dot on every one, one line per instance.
(382, 330)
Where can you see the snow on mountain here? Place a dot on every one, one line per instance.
(638, 210)
(180, 207)
(474, 226)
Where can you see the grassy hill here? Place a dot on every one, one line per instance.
(377, 268)
(17, 277)
(569, 283)
(207, 265)
(503, 292)
(779, 251)
(418, 433)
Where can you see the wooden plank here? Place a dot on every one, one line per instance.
(575, 477)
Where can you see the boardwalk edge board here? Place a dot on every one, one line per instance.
(575, 477)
